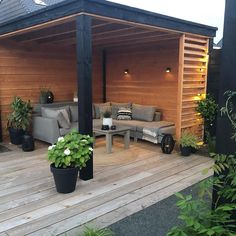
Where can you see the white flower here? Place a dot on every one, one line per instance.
(84, 140)
(50, 147)
(60, 139)
(67, 152)
(90, 149)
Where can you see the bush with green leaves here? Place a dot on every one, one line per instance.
(197, 215)
(188, 139)
(208, 109)
(73, 150)
(20, 116)
(97, 232)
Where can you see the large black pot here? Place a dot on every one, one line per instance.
(16, 135)
(65, 179)
(185, 151)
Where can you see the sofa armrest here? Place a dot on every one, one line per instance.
(157, 116)
(45, 129)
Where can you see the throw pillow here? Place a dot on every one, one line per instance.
(124, 114)
(142, 112)
(116, 106)
(62, 121)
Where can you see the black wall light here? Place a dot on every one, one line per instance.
(168, 69)
(126, 71)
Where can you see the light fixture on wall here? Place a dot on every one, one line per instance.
(126, 71)
(168, 69)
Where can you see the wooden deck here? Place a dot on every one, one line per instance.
(125, 182)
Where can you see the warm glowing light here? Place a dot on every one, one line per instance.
(200, 143)
(126, 71)
(168, 69)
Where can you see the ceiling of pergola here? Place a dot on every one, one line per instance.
(105, 33)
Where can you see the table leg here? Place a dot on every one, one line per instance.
(94, 140)
(109, 143)
(127, 139)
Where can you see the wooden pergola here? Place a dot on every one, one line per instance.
(86, 24)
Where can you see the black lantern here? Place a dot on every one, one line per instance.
(167, 144)
(50, 97)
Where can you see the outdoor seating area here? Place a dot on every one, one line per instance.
(125, 182)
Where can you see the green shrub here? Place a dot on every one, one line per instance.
(97, 232)
(73, 150)
(20, 116)
(107, 114)
(188, 139)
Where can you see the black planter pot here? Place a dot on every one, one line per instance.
(193, 150)
(16, 135)
(185, 151)
(65, 179)
(27, 143)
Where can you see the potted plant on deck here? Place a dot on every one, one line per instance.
(188, 143)
(67, 156)
(19, 119)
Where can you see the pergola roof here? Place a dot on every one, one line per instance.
(104, 11)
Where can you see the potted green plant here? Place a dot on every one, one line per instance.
(188, 142)
(107, 120)
(67, 156)
(19, 119)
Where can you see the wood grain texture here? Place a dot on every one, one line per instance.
(24, 70)
(148, 83)
(127, 178)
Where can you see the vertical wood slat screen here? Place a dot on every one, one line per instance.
(192, 82)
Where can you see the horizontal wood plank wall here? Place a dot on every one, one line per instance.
(148, 83)
(24, 70)
(194, 82)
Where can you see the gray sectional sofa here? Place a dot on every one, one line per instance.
(50, 121)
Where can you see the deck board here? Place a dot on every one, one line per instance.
(124, 182)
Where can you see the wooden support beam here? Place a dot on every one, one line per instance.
(104, 77)
(84, 74)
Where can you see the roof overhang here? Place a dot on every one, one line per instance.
(102, 8)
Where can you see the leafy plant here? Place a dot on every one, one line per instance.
(20, 116)
(97, 232)
(207, 109)
(199, 218)
(188, 139)
(107, 114)
(228, 110)
(73, 150)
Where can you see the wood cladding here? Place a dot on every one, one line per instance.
(24, 70)
(193, 61)
(147, 82)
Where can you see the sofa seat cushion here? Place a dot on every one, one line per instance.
(131, 123)
(154, 125)
(64, 131)
(144, 113)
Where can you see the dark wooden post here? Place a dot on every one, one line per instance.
(224, 143)
(84, 78)
(0, 127)
(104, 75)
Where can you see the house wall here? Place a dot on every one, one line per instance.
(148, 83)
(24, 70)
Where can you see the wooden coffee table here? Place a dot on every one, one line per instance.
(121, 130)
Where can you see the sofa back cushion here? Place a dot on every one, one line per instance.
(142, 112)
(60, 114)
(100, 107)
(74, 113)
(115, 107)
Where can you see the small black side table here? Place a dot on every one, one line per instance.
(27, 143)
